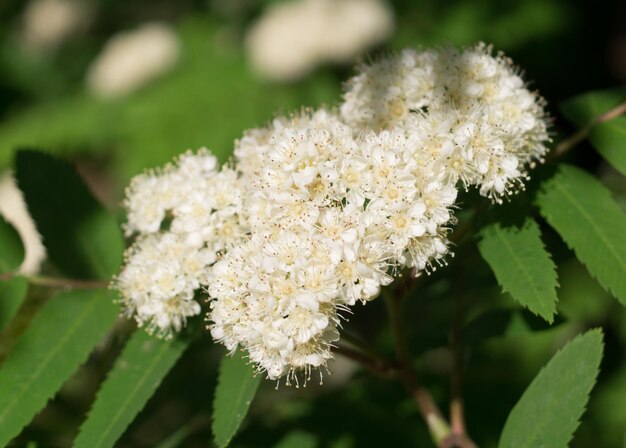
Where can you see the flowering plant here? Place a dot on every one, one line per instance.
(326, 209)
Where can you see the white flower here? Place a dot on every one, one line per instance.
(471, 112)
(13, 208)
(169, 260)
(47, 24)
(292, 38)
(132, 59)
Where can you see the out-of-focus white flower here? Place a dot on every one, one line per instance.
(132, 59)
(292, 38)
(13, 208)
(49, 23)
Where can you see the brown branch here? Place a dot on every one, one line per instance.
(57, 282)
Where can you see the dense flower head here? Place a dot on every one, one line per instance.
(468, 107)
(322, 209)
(183, 217)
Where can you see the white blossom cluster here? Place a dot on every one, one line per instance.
(321, 210)
(183, 217)
(471, 110)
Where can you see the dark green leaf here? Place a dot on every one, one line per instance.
(522, 266)
(82, 239)
(583, 109)
(609, 137)
(236, 387)
(59, 339)
(583, 212)
(297, 439)
(138, 371)
(548, 412)
(12, 294)
(11, 247)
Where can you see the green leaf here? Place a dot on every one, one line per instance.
(548, 412)
(82, 239)
(59, 339)
(609, 138)
(583, 109)
(11, 247)
(138, 371)
(12, 294)
(236, 387)
(589, 220)
(522, 265)
(297, 439)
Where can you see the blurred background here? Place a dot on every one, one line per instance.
(118, 86)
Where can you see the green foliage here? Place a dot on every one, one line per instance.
(548, 412)
(137, 373)
(12, 294)
(583, 109)
(522, 265)
(57, 341)
(583, 212)
(297, 439)
(81, 238)
(183, 110)
(608, 137)
(236, 387)
(11, 247)
(77, 124)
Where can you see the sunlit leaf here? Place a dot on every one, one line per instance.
(236, 387)
(59, 339)
(522, 265)
(548, 412)
(138, 371)
(589, 220)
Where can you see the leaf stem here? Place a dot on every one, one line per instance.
(57, 282)
(377, 365)
(566, 145)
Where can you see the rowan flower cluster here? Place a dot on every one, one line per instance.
(321, 210)
(182, 217)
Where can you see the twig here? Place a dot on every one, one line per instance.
(437, 424)
(57, 282)
(376, 365)
(566, 145)
(458, 436)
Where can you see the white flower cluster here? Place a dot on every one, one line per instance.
(183, 217)
(323, 209)
(471, 110)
